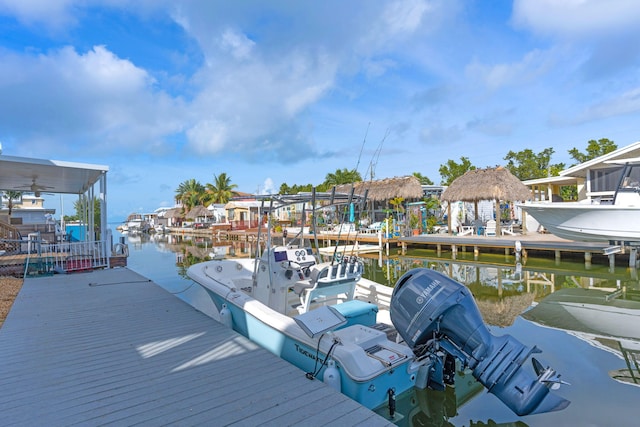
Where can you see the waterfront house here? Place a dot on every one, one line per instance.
(595, 179)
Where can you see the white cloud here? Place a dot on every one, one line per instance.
(268, 187)
(625, 103)
(53, 13)
(576, 17)
(239, 45)
(208, 136)
(532, 66)
(91, 98)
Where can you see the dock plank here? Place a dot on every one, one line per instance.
(112, 347)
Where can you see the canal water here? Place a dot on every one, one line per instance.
(586, 321)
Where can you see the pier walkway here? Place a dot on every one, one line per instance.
(112, 347)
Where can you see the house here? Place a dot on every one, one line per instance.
(595, 179)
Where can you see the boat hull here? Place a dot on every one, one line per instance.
(282, 336)
(587, 222)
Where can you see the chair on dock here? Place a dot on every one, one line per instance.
(507, 229)
(466, 230)
(490, 228)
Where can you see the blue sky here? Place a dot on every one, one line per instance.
(162, 91)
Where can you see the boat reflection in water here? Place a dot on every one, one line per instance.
(587, 321)
(608, 319)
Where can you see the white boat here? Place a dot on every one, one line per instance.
(135, 223)
(367, 340)
(595, 220)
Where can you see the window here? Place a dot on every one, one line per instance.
(605, 179)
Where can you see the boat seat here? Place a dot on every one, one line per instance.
(315, 287)
(309, 283)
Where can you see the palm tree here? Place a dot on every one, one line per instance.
(221, 190)
(342, 176)
(12, 195)
(190, 193)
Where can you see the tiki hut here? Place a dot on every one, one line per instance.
(380, 192)
(173, 216)
(407, 187)
(199, 211)
(486, 184)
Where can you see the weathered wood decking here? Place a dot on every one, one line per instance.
(112, 347)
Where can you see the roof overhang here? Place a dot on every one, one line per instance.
(608, 160)
(553, 180)
(51, 176)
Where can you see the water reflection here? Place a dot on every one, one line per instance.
(605, 318)
(540, 301)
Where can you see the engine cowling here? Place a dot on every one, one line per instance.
(434, 313)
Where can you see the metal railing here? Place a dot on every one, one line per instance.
(76, 256)
(34, 256)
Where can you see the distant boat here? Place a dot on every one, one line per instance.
(136, 223)
(594, 220)
(365, 339)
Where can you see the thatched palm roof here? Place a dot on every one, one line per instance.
(407, 187)
(198, 212)
(486, 184)
(174, 213)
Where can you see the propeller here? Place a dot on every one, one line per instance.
(547, 376)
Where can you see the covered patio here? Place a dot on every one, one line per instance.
(493, 184)
(91, 247)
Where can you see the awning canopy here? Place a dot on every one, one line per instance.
(51, 176)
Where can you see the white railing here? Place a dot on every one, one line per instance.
(75, 256)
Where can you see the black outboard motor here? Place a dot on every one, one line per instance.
(434, 313)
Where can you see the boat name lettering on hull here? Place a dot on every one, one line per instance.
(304, 352)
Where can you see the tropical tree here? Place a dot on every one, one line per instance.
(341, 176)
(423, 179)
(190, 193)
(295, 188)
(526, 164)
(221, 191)
(396, 202)
(81, 207)
(594, 149)
(452, 170)
(12, 195)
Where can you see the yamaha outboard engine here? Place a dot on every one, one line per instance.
(433, 313)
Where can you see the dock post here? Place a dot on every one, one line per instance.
(633, 257)
(612, 263)
(454, 252)
(557, 256)
(439, 249)
(587, 259)
(476, 252)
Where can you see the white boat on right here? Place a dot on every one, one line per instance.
(616, 220)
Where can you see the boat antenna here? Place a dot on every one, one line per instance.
(376, 156)
(344, 216)
(300, 236)
(258, 254)
(362, 146)
(314, 221)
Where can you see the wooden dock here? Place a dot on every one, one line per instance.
(544, 245)
(112, 347)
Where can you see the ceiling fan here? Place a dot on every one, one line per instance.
(36, 189)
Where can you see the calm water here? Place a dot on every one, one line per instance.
(585, 341)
